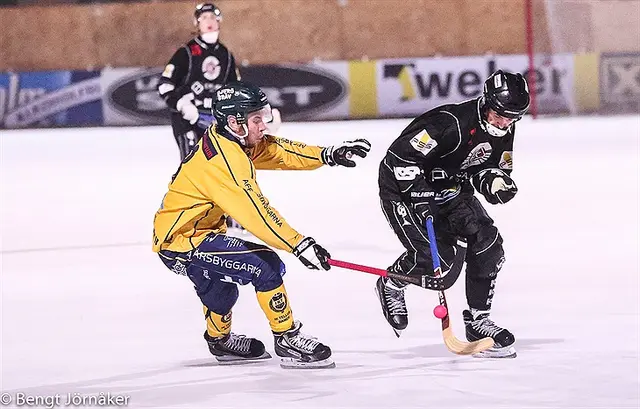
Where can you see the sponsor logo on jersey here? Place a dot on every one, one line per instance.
(506, 160)
(423, 142)
(211, 68)
(478, 155)
(406, 172)
(168, 70)
(402, 211)
(418, 195)
(227, 263)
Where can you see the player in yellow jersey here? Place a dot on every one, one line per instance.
(218, 179)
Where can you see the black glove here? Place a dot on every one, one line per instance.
(495, 185)
(422, 204)
(312, 255)
(341, 154)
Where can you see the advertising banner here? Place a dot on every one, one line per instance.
(564, 84)
(130, 97)
(304, 91)
(412, 86)
(620, 82)
(299, 91)
(50, 99)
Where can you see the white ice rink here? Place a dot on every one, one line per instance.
(88, 308)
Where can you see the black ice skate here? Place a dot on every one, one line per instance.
(297, 350)
(393, 305)
(234, 348)
(478, 325)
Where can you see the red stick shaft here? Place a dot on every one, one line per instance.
(358, 267)
(531, 52)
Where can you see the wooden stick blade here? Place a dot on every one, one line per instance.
(465, 348)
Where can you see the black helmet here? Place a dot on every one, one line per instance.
(507, 94)
(207, 7)
(238, 99)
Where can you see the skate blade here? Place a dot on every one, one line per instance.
(505, 352)
(237, 360)
(292, 363)
(398, 332)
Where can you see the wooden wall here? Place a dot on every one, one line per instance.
(60, 36)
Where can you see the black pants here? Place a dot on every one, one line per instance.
(186, 135)
(461, 218)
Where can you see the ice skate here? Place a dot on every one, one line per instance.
(393, 305)
(234, 348)
(478, 325)
(297, 350)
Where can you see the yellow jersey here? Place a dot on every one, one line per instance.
(218, 179)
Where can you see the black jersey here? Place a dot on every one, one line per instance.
(440, 152)
(199, 68)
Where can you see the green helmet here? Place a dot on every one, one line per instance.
(237, 99)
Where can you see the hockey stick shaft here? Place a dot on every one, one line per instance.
(417, 280)
(437, 270)
(453, 344)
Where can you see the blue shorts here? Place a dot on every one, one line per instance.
(221, 262)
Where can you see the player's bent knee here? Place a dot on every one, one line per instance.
(218, 296)
(269, 272)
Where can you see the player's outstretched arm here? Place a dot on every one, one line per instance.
(284, 154)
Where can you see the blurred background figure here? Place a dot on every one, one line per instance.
(194, 72)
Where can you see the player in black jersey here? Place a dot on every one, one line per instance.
(196, 70)
(432, 170)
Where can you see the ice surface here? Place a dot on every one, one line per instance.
(88, 308)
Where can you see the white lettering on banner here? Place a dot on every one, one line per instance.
(413, 86)
(14, 96)
(54, 102)
(301, 94)
(147, 97)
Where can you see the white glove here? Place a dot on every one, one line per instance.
(187, 109)
(274, 125)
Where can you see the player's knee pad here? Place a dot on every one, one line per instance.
(219, 296)
(271, 269)
(486, 255)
